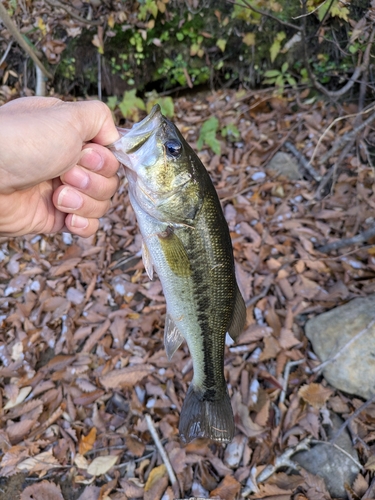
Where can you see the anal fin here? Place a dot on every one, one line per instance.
(239, 316)
(172, 337)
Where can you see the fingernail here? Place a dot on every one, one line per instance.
(79, 222)
(69, 198)
(78, 178)
(91, 159)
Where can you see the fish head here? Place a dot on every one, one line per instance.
(161, 168)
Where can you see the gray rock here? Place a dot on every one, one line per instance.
(284, 164)
(330, 463)
(354, 370)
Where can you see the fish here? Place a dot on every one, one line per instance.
(186, 240)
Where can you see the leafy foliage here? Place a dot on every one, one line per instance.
(207, 135)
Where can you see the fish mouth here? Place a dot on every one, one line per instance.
(131, 140)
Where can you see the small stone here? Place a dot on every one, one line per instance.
(354, 370)
(329, 462)
(284, 164)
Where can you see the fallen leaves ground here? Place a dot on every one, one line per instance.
(81, 327)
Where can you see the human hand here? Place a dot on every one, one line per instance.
(55, 173)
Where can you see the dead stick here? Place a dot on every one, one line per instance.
(302, 161)
(68, 9)
(346, 242)
(159, 446)
(354, 415)
(347, 138)
(11, 26)
(343, 348)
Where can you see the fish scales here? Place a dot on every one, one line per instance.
(186, 239)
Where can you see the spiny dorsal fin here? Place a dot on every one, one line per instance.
(239, 316)
(172, 337)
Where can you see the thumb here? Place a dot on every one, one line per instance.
(95, 122)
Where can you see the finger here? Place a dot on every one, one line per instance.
(90, 183)
(81, 226)
(70, 200)
(99, 159)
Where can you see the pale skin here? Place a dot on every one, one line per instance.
(55, 172)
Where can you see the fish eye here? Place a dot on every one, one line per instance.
(173, 148)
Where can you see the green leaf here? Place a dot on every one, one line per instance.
(130, 105)
(208, 135)
(284, 67)
(291, 81)
(271, 73)
(221, 43)
(179, 36)
(275, 49)
(112, 102)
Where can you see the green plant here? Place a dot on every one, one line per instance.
(231, 132)
(207, 135)
(279, 78)
(131, 105)
(165, 103)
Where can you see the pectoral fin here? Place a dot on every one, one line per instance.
(239, 316)
(172, 337)
(147, 261)
(175, 253)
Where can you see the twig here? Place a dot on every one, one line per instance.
(329, 443)
(5, 55)
(332, 172)
(288, 367)
(56, 3)
(364, 81)
(159, 446)
(350, 136)
(343, 348)
(329, 128)
(13, 30)
(284, 460)
(266, 14)
(354, 415)
(345, 242)
(303, 162)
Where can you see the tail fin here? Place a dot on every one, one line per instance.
(206, 419)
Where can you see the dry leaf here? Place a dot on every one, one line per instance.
(21, 396)
(87, 442)
(125, 377)
(155, 475)
(42, 491)
(315, 394)
(229, 488)
(42, 462)
(101, 465)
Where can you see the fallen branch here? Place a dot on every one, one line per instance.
(332, 172)
(288, 367)
(284, 460)
(266, 14)
(350, 136)
(306, 166)
(164, 456)
(68, 9)
(343, 348)
(346, 242)
(13, 30)
(354, 415)
(7, 50)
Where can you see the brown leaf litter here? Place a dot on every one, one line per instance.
(81, 328)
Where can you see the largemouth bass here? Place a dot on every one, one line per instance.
(186, 240)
